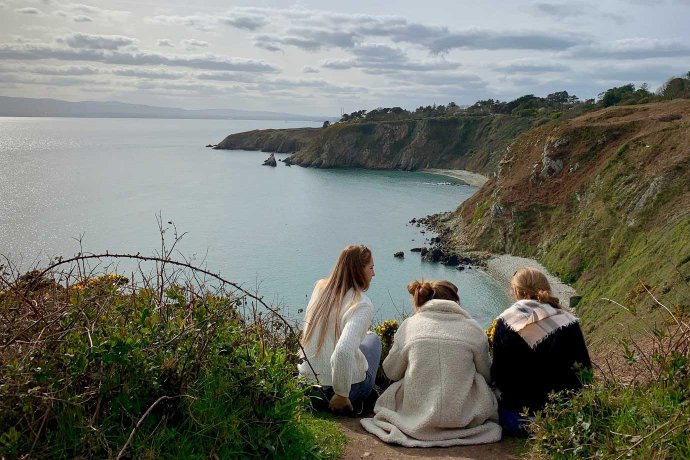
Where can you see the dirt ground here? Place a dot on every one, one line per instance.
(362, 445)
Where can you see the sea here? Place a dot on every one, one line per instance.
(70, 185)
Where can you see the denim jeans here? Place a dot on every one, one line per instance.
(371, 347)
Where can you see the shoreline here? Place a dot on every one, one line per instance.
(468, 177)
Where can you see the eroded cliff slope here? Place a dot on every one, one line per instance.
(603, 200)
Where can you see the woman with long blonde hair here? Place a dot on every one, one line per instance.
(441, 367)
(343, 356)
(538, 348)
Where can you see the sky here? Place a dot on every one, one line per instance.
(326, 58)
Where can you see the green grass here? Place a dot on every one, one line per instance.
(182, 370)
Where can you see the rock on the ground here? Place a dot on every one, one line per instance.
(399, 255)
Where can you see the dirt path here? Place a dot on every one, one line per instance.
(362, 445)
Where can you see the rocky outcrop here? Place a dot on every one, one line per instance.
(271, 161)
(270, 140)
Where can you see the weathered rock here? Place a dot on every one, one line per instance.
(434, 255)
(271, 161)
(416, 249)
(210, 145)
(424, 251)
(451, 260)
(399, 255)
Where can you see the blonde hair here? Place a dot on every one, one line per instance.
(423, 291)
(528, 283)
(348, 273)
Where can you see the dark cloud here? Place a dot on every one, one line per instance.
(150, 74)
(306, 39)
(376, 58)
(31, 51)
(96, 42)
(244, 20)
(632, 48)
(492, 40)
(531, 67)
(51, 70)
(27, 11)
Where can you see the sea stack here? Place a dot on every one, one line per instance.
(271, 161)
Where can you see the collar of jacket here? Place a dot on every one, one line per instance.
(443, 306)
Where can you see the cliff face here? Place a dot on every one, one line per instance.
(603, 201)
(270, 140)
(472, 143)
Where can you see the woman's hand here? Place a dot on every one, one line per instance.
(339, 403)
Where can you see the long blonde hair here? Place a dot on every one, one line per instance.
(423, 291)
(348, 273)
(529, 283)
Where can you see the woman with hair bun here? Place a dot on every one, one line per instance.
(538, 348)
(441, 367)
(342, 355)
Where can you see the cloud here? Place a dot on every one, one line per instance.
(632, 48)
(34, 51)
(149, 74)
(244, 20)
(306, 39)
(61, 13)
(309, 69)
(164, 42)
(227, 76)
(28, 11)
(479, 39)
(104, 42)
(192, 43)
(111, 15)
(50, 70)
(530, 66)
(377, 57)
(575, 10)
(82, 18)
(198, 22)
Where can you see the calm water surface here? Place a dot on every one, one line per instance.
(281, 229)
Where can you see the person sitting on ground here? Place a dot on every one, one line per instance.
(538, 348)
(342, 354)
(440, 364)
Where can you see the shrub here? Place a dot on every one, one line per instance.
(646, 415)
(161, 368)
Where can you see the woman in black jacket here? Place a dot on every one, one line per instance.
(538, 348)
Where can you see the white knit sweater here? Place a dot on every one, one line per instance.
(340, 364)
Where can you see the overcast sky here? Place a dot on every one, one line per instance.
(320, 57)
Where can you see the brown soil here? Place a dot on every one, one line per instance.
(362, 445)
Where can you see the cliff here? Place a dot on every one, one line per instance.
(603, 200)
(474, 143)
(270, 140)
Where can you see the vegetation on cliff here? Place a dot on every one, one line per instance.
(167, 367)
(270, 140)
(603, 201)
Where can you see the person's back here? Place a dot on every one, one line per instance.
(440, 361)
(538, 348)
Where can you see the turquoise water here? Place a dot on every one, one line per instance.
(276, 229)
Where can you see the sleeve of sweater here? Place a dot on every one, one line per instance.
(508, 356)
(343, 357)
(395, 363)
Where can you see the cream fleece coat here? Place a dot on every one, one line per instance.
(440, 359)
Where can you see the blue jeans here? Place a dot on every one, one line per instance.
(371, 347)
(513, 423)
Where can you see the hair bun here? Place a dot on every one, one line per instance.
(421, 292)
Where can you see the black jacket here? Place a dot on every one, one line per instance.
(526, 376)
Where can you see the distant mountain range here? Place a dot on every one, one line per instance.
(28, 107)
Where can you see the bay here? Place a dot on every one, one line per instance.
(102, 182)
